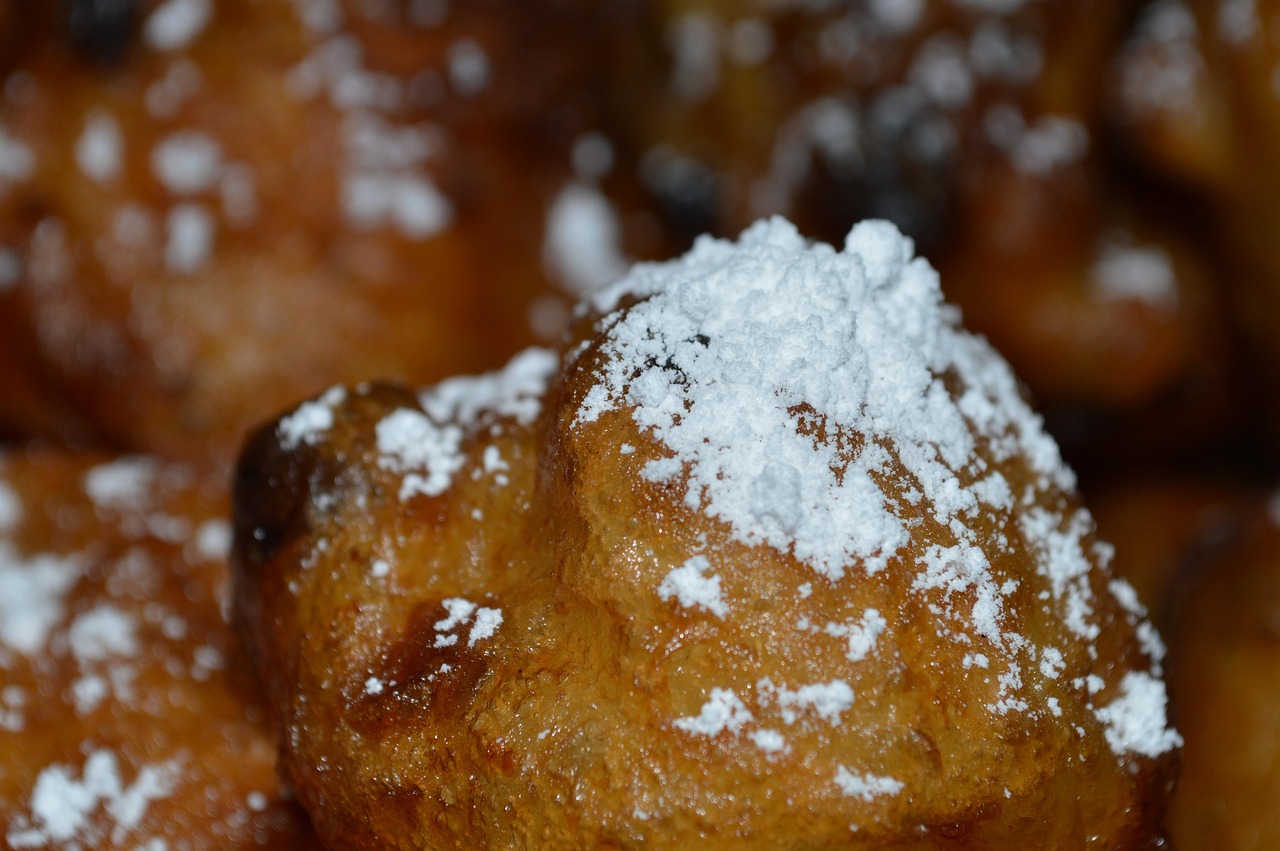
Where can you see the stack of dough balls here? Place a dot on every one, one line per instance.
(771, 554)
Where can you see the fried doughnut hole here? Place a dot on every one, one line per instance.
(772, 555)
(129, 716)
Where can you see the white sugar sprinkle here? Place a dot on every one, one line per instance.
(827, 700)
(861, 636)
(310, 421)
(486, 624)
(175, 24)
(769, 741)
(425, 453)
(10, 507)
(17, 162)
(190, 232)
(213, 539)
(581, 248)
(1137, 720)
(61, 803)
(31, 596)
(102, 633)
(373, 685)
(738, 351)
(99, 149)
(690, 585)
(865, 786)
(123, 484)
(722, 711)
(468, 67)
(186, 162)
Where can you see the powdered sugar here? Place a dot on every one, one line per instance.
(62, 803)
(186, 162)
(175, 24)
(459, 611)
(692, 588)
(773, 340)
(99, 149)
(31, 596)
(1137, 720)
(865, 786)
(123, 484)
(581, 246)
(426, 446)
(723, 711)
(829, 701)
(311, 420)
(409, 442)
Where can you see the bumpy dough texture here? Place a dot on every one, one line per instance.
(129, 716)
(497, 614)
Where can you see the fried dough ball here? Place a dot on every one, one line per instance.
(1225, 680)
(772, 556)
(227, 207)
(129, 717)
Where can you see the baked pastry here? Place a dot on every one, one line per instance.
(771, 554)
(229, 206)
(129, 717)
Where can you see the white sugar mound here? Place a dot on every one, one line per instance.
(739, 351)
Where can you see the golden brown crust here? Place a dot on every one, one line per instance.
(602, 712)
(130, 715)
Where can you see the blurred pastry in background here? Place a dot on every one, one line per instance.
(1196, 100)
(129, 717)
(209, 211)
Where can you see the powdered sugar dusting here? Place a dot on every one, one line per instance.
(311, 420)
(690, 585)
(774, 339)
(515, 391)
(426, 446)
(31, 596)
(582, 243)
(723, 711)
(1137, 720)
(123, 484)
(175, 24)
(62, 803)
(428, 455)
(865, 786)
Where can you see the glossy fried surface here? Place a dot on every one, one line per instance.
(129, 717)
(227, 207)
(492, 645)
